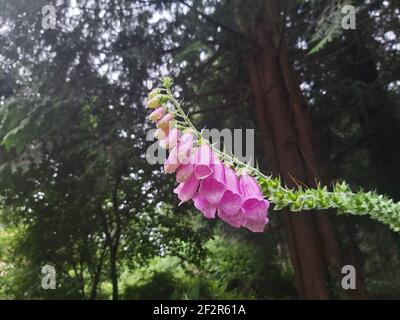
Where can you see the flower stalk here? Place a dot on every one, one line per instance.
(340, 197)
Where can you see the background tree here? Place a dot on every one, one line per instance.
(77, 192)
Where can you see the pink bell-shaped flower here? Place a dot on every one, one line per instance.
(203, 162)
(213, 187)
(255, 225)
(206, 208)
(172, 163)
(179, 155)
(231, 200)
(235, 220)
(185, 148)
(254, 205)
(184, 172)
(187, 190)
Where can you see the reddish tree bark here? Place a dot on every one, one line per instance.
(291, 152)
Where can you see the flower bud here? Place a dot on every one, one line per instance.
(161, 134)
(154, 92)
(154, 103)
(171, 140)
(157, 114)
(172, 163)
(164, 122)
(157, 101)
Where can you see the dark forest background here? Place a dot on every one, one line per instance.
(77, 193)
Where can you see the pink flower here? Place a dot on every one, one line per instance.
(185, 148)
(203, 162)
(230, 205)
(157, 114)
(235, 220)
(203, 178)
(180, 155)
(231, 201)
(256, 208)
(171, 140)
(187, 190)
(212, 188)
(254, 205)
(206, 208)
(249, 187)
(255, 226)
(185, 171)
(172, 163)
(187, 137)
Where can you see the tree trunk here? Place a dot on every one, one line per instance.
(112, 242)
(114, 271)
(96, 276)
(289, 145)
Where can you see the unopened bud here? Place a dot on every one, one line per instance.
(164, 122)
(154, 103)
(157, 101)
(161, 134)
(157, 114)
(154, 92)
